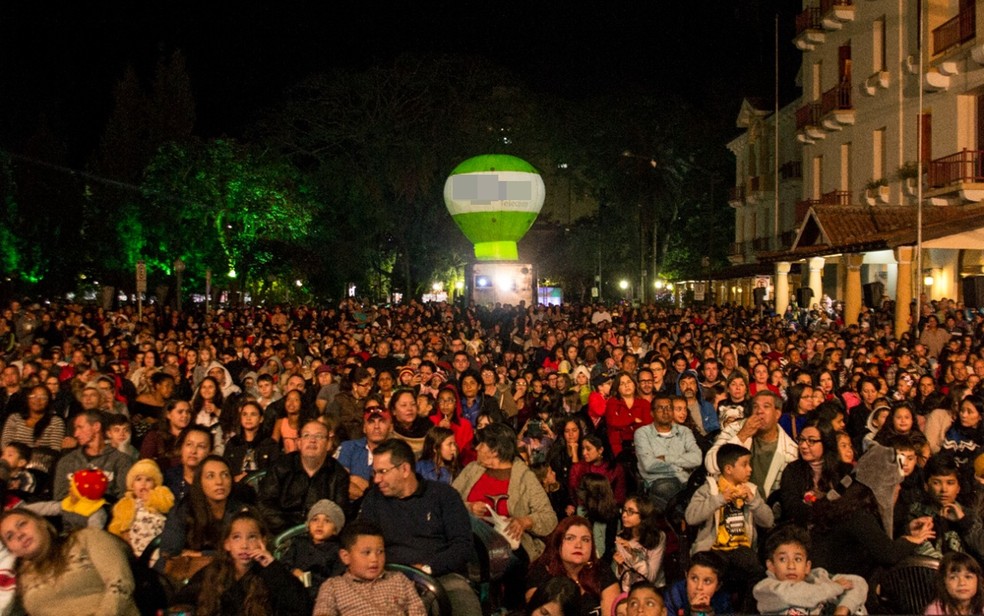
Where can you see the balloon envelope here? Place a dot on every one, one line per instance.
(494, 199)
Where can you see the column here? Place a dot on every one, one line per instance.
(852, 288)
(903, 289)
(816, 280)
(782, 287)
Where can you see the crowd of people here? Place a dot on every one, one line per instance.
(603, 459)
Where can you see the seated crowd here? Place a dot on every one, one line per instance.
(576, 460)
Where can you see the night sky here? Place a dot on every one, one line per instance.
(62, 63)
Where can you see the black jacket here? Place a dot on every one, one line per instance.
(287, 492)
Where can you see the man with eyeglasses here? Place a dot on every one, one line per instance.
(667, 452)
(424, 523)
(301, 478)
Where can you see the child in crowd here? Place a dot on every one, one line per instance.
(959, 588)
(118, 434)
(245, 579)
(548, 479)
(599, 506)
(139, 516)
(729, 508)
(958, 527)
(439, 460)
(536, 437)
(845, 448)
(266, 389)
(793, 587)
(24, 482)
(700, 591)
(366, 588)
(313, 556)
(645, 600)
(640, 547)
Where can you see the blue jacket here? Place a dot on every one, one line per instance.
(675, 598)
(708, 414)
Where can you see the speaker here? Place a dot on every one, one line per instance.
(973, 291)
(804, 297)
(759, 294)
(872, 293)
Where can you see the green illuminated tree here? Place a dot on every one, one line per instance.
(223, 205)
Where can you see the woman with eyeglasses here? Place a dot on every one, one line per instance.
(808, 479)
(35, 425)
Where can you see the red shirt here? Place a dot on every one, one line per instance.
(622, 421)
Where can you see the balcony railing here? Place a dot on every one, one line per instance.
(955, 31)
(785, 239)
(791, 170)
(755, 183)
(964, 166)
(761, 243)
(809, 19)
(828, 5)
(836, 197)
(736, 193)
(836, 98)
(808, 115)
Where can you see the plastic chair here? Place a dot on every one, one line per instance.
(253, 480)
(282, 541)
(908, 587)
(436, 600)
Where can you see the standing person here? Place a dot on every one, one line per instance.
(425, 523)
(86, 573)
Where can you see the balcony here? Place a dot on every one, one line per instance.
(791, 170)
(956, 178)
(809, 29)
(836, 107)
(736, 195)
(759, 187)
(808, 125)
(785, 240)
(956, 31)
(835, 13)
(836, 197)
(761, 243)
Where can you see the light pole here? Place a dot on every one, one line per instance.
(179, 268)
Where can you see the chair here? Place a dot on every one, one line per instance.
(436, 600)
(906, 588)
(253, 480)
(282, 541)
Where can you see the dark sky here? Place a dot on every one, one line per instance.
(63, 62)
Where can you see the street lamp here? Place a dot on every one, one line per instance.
(179, 268)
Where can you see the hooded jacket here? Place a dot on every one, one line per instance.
(708, 416)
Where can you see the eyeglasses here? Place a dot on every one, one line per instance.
(628, 511)
(809, 441)
(382, 472)
(313, 437)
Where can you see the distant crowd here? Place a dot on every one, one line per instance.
(577, 459)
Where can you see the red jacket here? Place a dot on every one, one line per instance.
(622, 422)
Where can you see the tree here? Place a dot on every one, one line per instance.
(238, 209)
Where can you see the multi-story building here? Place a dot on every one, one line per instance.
(890, 89)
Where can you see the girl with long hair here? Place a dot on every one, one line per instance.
(599, 506)
(570, 553)
(160, 445)
(439, 461)
(245, 579)
(959, 587)
(596, 459)
(85, 573)
(641, 545)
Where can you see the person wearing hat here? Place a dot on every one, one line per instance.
(313, 556)
(139, 516)
(356, 454)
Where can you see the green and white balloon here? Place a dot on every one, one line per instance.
(494, 199)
